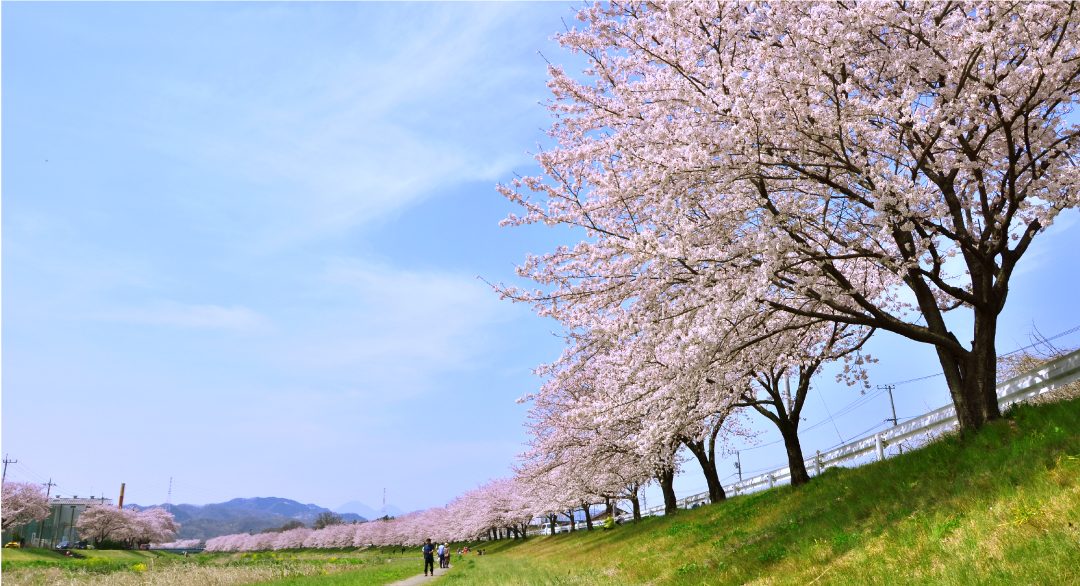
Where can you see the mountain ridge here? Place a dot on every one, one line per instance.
(245, 515)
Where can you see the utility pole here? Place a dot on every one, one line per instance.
(890, 388)
(3, 476)
(168, 499)
(48, 487)
(384, 513)
(892, 404)
(738, 465)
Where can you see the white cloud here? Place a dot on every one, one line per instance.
(419, 101)
(386, 334)
(172, 314)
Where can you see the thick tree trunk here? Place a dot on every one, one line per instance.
(553, 519)
(796, 464)
(667, 486)
(588, 517)
(972, 377)
(708, 467)
(635, 506)
(570, 514)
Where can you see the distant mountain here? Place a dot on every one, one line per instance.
(245, 516)
(359, 508)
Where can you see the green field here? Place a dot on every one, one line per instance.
(39, 567)
(1001, 507)
(370, 575)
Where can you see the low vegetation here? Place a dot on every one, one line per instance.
(35, 567)
(998, 507)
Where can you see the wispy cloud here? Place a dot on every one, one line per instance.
(398, 329)
(335, 143)
(172, 314)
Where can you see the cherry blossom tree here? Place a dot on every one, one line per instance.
(151, 525)
(768, 388)
(23, 502)
(589, 440)
(102, 523)
(702, 440)
(882, 165)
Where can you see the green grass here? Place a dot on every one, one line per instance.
(99, 561)
(34, 567)
(372, 574)
(998, 507)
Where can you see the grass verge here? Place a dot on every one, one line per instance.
(998, 507)
(373, 574)
(137, 568)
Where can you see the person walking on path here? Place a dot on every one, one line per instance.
(429, 557)
(442, 555)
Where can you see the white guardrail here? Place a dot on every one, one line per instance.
(1050, 376)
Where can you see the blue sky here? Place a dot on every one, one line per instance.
(241, 245)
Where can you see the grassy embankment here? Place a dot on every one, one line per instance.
(40, 567)
(1000, 507)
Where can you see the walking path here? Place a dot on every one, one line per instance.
(419, 579)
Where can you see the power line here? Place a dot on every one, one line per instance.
(857, 403)
(757, 447)
(21, 470)
(1040, 342)
(830, 415)
(915, 380)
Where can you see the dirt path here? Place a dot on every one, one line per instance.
(419, 579)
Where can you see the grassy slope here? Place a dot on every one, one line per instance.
(1002, 507)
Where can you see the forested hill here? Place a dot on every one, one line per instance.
(244, 515)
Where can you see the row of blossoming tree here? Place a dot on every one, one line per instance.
(493, 510)
(23, 503)
(105, 524)
(26, 502)
(759, 188)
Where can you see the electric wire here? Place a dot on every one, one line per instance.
(1010, 353)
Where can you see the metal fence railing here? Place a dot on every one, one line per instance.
(1048, 377)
